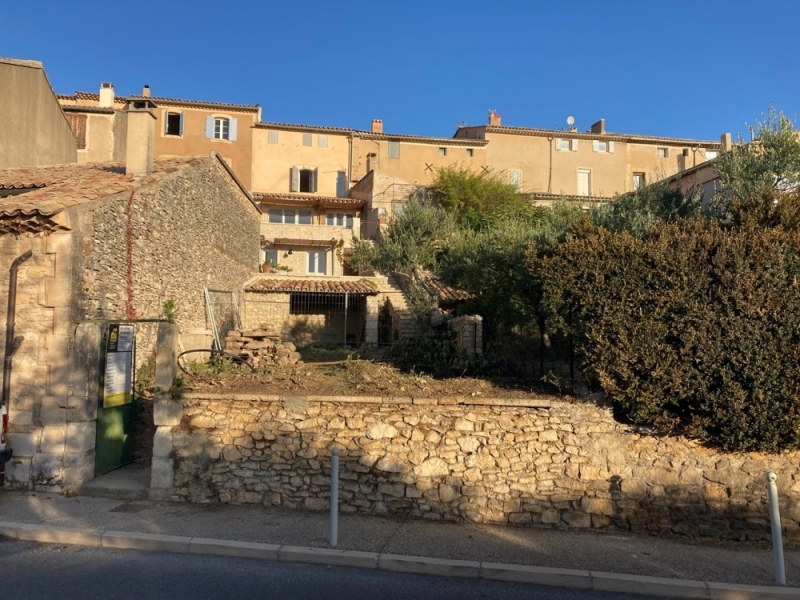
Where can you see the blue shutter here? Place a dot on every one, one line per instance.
(323, 267)
(232, 130)
(311, 261)
(209, 127)
(181, 128)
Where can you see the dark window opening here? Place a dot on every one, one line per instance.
(173, 126)
(305, 180)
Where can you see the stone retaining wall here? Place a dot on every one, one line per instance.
(485, 460)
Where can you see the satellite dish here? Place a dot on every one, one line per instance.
(570, 120)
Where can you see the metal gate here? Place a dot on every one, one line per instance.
(223, 314)
(328, 317)
(115, 412)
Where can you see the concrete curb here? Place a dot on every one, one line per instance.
(572, 578)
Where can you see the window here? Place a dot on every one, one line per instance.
(470, 152)
(663, 153)
(566, 145)
(584, 182)
(322, 141)
(308, 139)
(711, 155)
(220, 128)
(173, 123)
(304, 180)
(394, 149)
(442, 151)
(340, 220)
(638, 180)
(515, 178)
(272, 137)
(289, 216)
(78, 125)
(317, 263)
(270, 255)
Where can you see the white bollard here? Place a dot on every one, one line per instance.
(334, 533)
(777, 537)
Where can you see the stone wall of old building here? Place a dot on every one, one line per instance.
(485, 460)
(190, 230)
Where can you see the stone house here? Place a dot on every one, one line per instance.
(183, 127)
(33, 128)
(593, 164)
(108, 242)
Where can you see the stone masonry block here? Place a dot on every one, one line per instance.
(81, 436)
(58, 243)
(162, 442)
(18, 470)
(57, 292)
(52, 410)
(166, 355)
(25, 444)
(53, 439)
(85, 360)
(20, 417)
(162, 473)
(166, 412)
(81, 408)
(47, 469)
(78, 468)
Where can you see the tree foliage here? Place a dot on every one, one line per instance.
(754, 176)
(693, 329)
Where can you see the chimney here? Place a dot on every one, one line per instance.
(599, 127)
(727, 142)
(377, 126)
(140, 141)
(146, 91)
(107, 95)
(494, 118)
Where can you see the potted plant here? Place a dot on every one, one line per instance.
(267, 266)
(283, 269)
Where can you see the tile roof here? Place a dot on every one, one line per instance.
(298, 242)
(374, 136)
(56, 187)
(445, 293)
(21, 63)
(307, 200)
(624, 137)
(87, 109)
(279, 283)
(203, 103)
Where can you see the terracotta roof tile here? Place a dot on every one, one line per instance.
(54, 187)
(279, 283)
(204, 103)
(307, 199)
(444, 292)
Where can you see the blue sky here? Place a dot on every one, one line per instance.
(693, 69)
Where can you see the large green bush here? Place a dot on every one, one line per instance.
(693, 329)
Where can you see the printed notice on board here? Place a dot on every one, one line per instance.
(118, 387)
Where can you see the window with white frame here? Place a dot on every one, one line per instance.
(638, 180)
(663, 152)
(289, 216)
(470, 152)
(563, 145)
(308, 139)
(442, 151)
(220, 128)
(270, 255)
(339, 219)
(303, 180)
(317, 263)
(173, 123)
(394, 149)
(515, 178)
(272, 137)
(600, 146)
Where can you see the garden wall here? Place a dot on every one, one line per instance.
(485, 460)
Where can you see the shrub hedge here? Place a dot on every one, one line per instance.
(693, 329)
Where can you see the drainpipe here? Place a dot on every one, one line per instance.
(550, 177)
(12, 345)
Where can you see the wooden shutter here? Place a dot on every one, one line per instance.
(272, 137)
(322, 141)
(77, 123)
(181, 131)
(595, 145)
(312, 183)
(341, 184)
(295, 185)
(574, 144)
(209, 127)
(232, 130)
(322, 266)
(312, 262)
(611, 147)
(558, 143)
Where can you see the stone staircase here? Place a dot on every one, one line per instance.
(394, 292)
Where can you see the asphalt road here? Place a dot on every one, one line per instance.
(33, 571)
